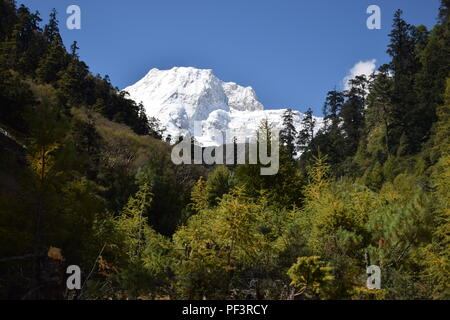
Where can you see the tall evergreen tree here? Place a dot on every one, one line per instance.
(51, 29)
(330, 139)
(352, 113)
(379, 110)
(430, 80)
(24, 47)
(9, 18)
(289, 133)
(332, 108)
(306, 134)
(404, 66)
(53, 62)
(444, 10)
(72, 81)
(74, 50)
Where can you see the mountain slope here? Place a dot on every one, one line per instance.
(184, 97)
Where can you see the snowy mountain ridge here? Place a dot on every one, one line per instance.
(184, 96)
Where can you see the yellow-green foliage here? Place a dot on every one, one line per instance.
(218, 243)
(400, 221)
(364, 293)
(199, 197)
(334, 214)
(135, 258)
(133, 224)
(123, 148)
(213, 243)
(310, 276)
(435, 256)
(350, 226)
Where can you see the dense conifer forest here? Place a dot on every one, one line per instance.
(86, 179)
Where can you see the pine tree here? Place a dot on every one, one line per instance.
(53, 62)
(199, 197)
(352, 113)
(289, 132)
(133, 221)
(330, 140)
(23, 48)
(306, 134)
(379, 110)
(72, 82)
(310, 276)
(332, 109)
(404, 65)
(430, 81)
(51, 161)
(51, 30)
(9, 19)
(318, 177)
(217, 185)
(436, 255)
(444, 10)
(74, 53)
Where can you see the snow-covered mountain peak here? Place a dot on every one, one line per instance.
(181, 96)
(241, 98)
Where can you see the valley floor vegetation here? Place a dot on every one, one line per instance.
(86, 179)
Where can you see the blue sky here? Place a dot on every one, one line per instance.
(290, 51)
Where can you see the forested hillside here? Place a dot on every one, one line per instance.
(86, 179)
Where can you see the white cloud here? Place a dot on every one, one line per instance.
(360, 68)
